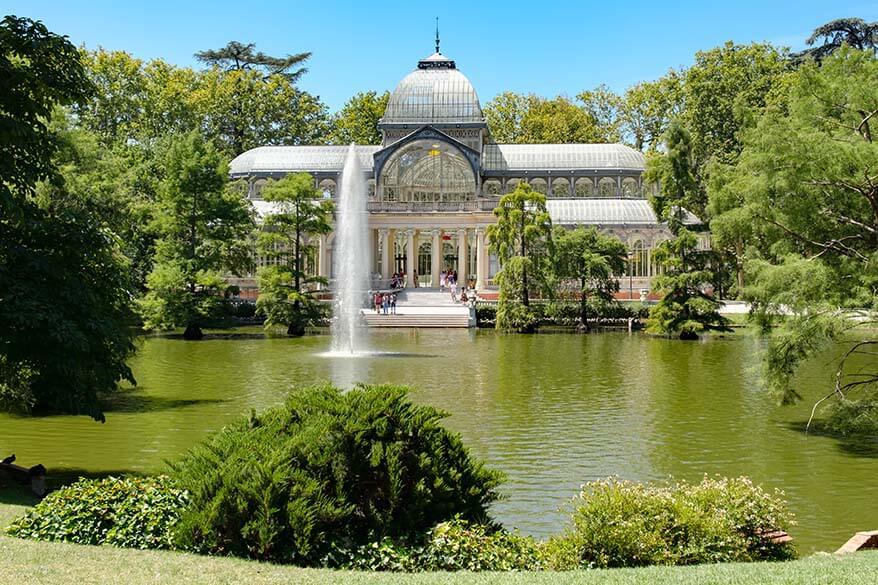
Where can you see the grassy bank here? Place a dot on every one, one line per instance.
(40, 562)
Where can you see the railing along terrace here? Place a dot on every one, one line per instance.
(420, 206)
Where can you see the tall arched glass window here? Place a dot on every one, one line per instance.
(511, 184)
(427, 170)
(638, 260)
(583, 187)
(607, 187)
(629, 187)
(425, 261)
(560, 187)
(539, 185)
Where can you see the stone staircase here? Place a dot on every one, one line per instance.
(422, 307)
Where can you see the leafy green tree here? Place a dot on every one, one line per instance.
(114, 184)
(853, 32)
(236, 56)
(604, 106)
(805, 190)
(40, 70)
(202, 225)
(647, 108)
(723, 83)
(531, 119)
(592, 260)
(503, 115)
(684, 309)
(557, 121)
(522, 241)
(358, 120)
(244, 109)
(674, 172)
(286, 295)
(65, 298)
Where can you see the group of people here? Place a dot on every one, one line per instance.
(385, 303)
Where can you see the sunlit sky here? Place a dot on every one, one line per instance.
(547, 48)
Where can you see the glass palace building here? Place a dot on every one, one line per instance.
(438, 174)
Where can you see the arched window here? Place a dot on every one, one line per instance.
(607, 187)
(327, 187)
(256, 191)
(629, 187)
(491, 187)
(511, 184)
(561, 187)
(583, 187)
(539, 185)
(425, 261)
(638, 260)
(425, 170)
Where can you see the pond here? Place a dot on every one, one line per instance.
(552, 411)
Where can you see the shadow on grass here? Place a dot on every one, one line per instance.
(852, 444)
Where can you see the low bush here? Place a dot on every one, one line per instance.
(134, 512)
(450, 546)
(329, 469)
(626, 524)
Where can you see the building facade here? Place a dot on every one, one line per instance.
(436, 177)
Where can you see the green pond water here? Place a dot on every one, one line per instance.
(552, 411)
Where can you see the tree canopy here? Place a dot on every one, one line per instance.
(288, 237)
(65, 295)
(358, 120)
(237, 56)
(202, 224)
(853, 32)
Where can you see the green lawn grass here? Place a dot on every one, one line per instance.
(26, 561)
(40, 562)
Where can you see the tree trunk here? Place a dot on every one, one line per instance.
(193, 333)
(583, 308)
(296, 329)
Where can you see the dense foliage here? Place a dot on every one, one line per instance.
(625, 524)
(65, 291)
(202, 223)
(288, 238)
(522, 241)
(802, 201)
(131, 512)
(450, 546)
(592, 261)
(328, 468)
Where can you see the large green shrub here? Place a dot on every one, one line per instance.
(449, 546)
(329, 468)
(626, 524)
(135, 512)
(853, 417)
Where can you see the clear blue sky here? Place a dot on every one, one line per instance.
(543, 47)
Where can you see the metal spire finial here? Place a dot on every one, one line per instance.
(437, 34)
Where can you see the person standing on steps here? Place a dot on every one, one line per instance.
(392, 303)
(442, 278)
(377, 301)
(416, 279)
(385, 303)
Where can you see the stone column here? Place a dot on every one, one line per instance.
(461, 257)
(386, 253)
(410, 259)
(436, 260)
(481, 257)
(392, 248)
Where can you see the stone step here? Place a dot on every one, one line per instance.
(436, 321)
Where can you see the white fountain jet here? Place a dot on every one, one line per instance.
(351, 259)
